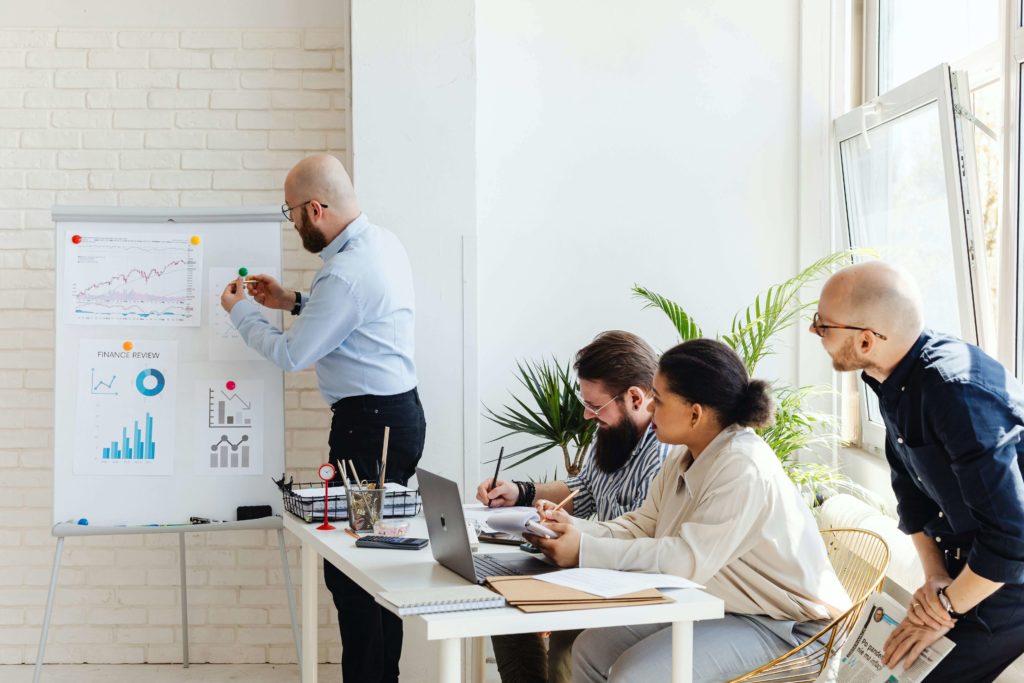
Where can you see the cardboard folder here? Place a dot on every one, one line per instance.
(532, 595)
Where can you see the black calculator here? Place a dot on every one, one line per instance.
(394, 542)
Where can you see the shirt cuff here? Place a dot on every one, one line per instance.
(989, 565)
(242, 310)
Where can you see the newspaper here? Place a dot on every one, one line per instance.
(861, 657)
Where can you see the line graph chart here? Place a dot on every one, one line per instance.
(124, 279)
(102, 387)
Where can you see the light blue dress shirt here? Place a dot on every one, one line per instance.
(356, 324)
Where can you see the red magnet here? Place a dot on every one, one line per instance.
(230, 386)
(76, 239)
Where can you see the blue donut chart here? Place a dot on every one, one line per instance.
(140, 382)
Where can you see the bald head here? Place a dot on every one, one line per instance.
(876, 295)
(323, 178)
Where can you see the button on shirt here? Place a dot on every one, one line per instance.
(356, 324)
(610, 494)
(954, 418)
(732, 521)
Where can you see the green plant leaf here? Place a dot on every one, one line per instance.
(684, 324)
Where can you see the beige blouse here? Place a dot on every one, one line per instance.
(731, 520)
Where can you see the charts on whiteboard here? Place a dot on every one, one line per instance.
(133, 279)
(125, 422)
(229, 433)
(225, 342)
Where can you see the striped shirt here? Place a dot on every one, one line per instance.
(611, 494)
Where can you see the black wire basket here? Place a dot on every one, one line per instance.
(311, 509)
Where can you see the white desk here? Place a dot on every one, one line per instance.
(383, 570)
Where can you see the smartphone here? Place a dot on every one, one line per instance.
(541, 530)
(499, 537)
(392, 542)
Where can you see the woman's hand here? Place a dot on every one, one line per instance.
(564, 551)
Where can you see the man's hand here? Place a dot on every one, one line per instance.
(925, 609)
(564, 551)
(907, 642)
(268, 292)
(232, 294)
(504, 493)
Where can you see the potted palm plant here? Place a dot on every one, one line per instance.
(555, 417)
(797, 426)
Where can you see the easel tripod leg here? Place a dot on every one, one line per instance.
(49, 611)
(184, 602)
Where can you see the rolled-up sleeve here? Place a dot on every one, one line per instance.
(328, 318)
(981, 433)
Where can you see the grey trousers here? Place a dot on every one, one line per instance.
(722, 649)
(523, 658)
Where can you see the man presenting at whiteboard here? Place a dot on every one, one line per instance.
(356, 327)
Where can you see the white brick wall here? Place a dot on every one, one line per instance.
(147, 117)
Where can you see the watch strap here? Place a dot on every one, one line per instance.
(948, 604)
(298, 303)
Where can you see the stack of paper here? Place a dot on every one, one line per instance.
(455, 599)
(530, 594)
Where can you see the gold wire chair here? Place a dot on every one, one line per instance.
(860, 559)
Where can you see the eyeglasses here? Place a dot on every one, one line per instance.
(820, 328)
(597, 411)
(287, 210)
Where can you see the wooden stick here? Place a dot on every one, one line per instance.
(384, 455)
(355, 474)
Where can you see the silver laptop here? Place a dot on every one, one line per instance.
(446, 526)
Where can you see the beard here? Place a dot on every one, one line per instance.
(313, 240)
(845, 358)
(615, 443)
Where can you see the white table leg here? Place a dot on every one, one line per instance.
(479, 660)
(309, 613)
(451, 665)
(682, 652)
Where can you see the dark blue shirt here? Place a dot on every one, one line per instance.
(954, 418)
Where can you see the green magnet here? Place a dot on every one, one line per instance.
(242, 272)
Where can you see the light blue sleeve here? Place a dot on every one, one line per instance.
(327, 319)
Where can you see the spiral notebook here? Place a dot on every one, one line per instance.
(431, 601)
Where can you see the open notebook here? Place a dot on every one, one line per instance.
(455, 599)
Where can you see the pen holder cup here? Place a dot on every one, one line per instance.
(364, 507)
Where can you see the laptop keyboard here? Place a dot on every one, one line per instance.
(486, 566)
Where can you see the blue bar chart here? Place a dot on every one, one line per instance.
(137, 446)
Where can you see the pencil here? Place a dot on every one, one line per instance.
(351, 533)
(497, 468)
(354, 473)
(384, 456)
(564, 501)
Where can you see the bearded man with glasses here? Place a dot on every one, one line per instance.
(616, 373)
(356, 327)
(954, 422)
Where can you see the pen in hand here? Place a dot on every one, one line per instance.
(497, 468)
(548, 513)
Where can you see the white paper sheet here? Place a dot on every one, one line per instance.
(610, 583)
(318, 491)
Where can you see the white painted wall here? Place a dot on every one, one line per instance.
(649, 142)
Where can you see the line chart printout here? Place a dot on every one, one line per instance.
(229, 430)
(132, 278)
(125, 422)
(225, 342)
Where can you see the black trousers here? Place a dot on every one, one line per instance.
(989, 638)
(371, 637)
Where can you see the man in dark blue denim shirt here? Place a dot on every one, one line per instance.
(954, 421)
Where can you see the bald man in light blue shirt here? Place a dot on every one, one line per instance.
(356, 326)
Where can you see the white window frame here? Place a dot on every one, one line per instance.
(1011, 282)
(950, 91)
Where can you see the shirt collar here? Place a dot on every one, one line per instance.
(695, 470)
(351, 230)
(895, 382)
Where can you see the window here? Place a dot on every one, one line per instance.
(908, 191)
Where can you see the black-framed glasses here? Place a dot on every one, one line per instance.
(820, 328)
(287, 210)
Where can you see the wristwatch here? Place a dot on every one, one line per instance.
(947, 604)
(298, 303)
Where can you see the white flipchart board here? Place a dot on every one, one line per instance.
(187, 381)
